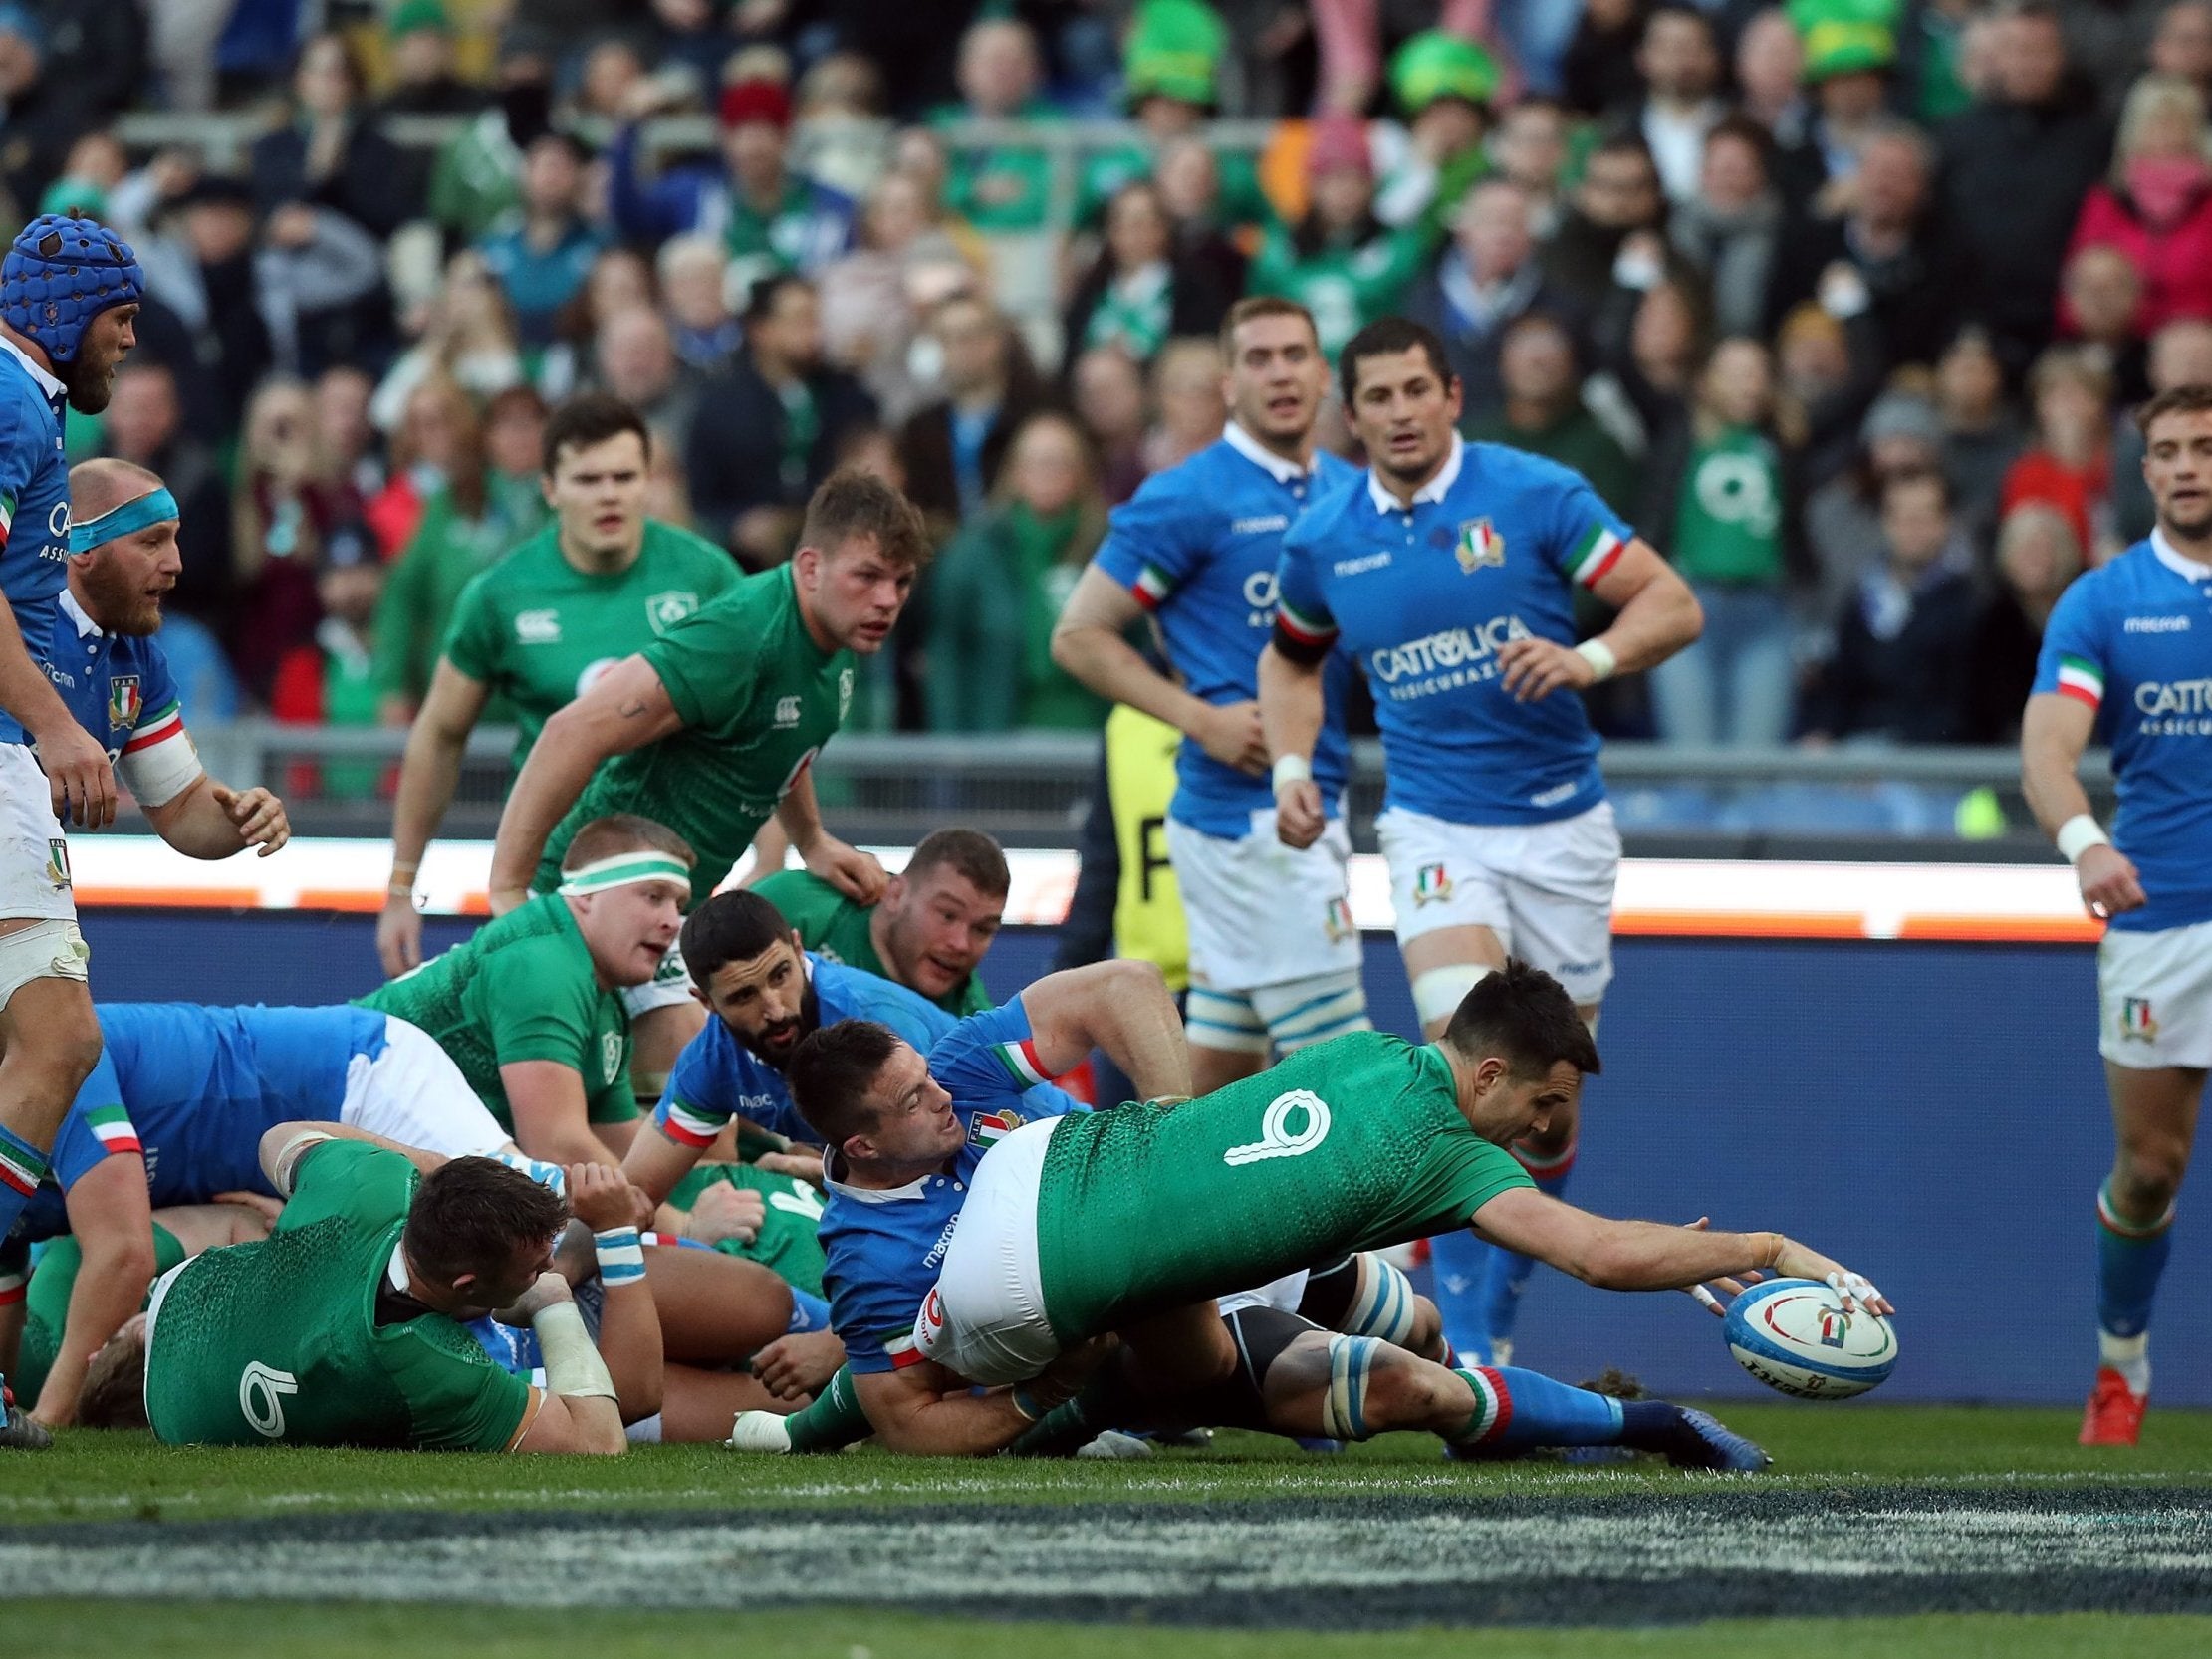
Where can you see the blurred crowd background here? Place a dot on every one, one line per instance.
(1843, 304)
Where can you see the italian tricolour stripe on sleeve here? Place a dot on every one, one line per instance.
(115, 1130)
(903, 1352)
(1021, 1063)
(158, 727)
(1598, 552)
(1153, 585)
(688, 1125)
(2081, 680)
(1306, 630)
(7, 518)
(20, 1167)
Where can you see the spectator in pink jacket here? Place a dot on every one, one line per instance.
(2155, 205)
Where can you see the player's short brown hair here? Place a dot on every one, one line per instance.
(831, 1072)
(2192, 399)
(1386, 336)
(115, 1391)
(853, 502)
(602, 837)
(1525, 1017)
(471, 1215)
(586, 419)
(966, 853)
(729, 927)
(1255, 305)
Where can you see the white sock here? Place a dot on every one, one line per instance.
(2129, 1356)
(644, 1432)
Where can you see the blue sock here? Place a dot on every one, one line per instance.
(1457, 1263)
(2129, 1258)
(1506, 1273)
(22, 1167)
(808, 1312)
(1514, 1408)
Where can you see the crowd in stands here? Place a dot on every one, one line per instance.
(1842, 304)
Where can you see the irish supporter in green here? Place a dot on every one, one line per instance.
(345, 1327)
(713, 727)
(928, 932)
(599, 583)
(1132, 1221)
(530, 1006)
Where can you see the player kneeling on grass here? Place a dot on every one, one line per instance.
(530, 1006)
(1130, 1221)
(345, 1327)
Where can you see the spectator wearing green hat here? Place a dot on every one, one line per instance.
(1340, 260)
(1171, 83)
(1850, 51)
(1444, 87)
(420, 58)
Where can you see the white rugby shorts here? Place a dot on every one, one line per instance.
(985, 1320)
(34, 854)
(2155, 997)
(1545, 889)
(669, 986)
(1262, 913)
(415, 1094)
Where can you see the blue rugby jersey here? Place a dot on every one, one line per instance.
(1422, 598)
(34, 506)
(2133, 643)
(885, 1248)
(1198, 546)
(122, 691)
(717, 1077)
(193, 1090)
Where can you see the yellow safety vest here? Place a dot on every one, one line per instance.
(1140, 780)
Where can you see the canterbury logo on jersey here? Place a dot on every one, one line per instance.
(1278, 1136)
(538, 628)
(1452, 649)
(787, 713)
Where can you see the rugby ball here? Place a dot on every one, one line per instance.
(1794, 1336)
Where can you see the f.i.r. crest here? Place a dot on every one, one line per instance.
(1479, 544)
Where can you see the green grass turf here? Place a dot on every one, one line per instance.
(98, 1477)
(99, 1630)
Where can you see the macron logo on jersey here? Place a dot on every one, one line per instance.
(2155, 625)
(1363, 563)
(538, 628)
(1267, 525)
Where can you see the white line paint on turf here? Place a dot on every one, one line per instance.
(1132, 1560)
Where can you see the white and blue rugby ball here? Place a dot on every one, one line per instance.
(1794, 1336)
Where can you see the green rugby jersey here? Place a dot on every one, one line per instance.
(1349, 1145)
(837, 927)
(278, 1341)
(521, 988)
(536, 630)
(758, 699)
(786, 1243)
(46, 1307)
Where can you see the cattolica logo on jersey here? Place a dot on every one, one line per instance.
(261, 1392)
(666, 610)
(1278, 1138)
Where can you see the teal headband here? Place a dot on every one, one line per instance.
(152, 508)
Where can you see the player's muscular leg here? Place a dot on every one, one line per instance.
(1228, 1039)
(657, 1036)
(1442, 965)
(698, 1405)
(715, 1309)
(1179, 1351)
(49, 1044)
(1213, 1068)
(2155, 1123)
(1396, 1390)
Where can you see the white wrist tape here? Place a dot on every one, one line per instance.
(1290, 768)
(2078, 835)
(572, 1365)
(622, 1256)
(1603, 664)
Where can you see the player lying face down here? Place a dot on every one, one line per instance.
(1130, 1221)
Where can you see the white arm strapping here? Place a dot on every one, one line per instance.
(288, 1156)
(572, 1365)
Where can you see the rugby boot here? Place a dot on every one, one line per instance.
(2115, 1414)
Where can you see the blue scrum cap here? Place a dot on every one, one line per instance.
(59, 275)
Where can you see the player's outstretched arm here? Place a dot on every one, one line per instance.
(285, 1144)
(925, 1411)
(552, 1119)
(1644, 1255)
(209, 820)
(576, 1409)
(1293, 706)
(654, 1162)
(1090, 642)
(625, 709)
(857, 875)
(82, 783)
(1122, 1007)
(2053, 730)
(629, 1324)
(430, 772)
(113, 1219)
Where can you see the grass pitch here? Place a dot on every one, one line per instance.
(1896, 1531)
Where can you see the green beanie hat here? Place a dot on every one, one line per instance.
(1435, 65)
(1175, 50)
(1845, 37)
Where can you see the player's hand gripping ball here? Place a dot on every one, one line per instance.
(1794, 1336)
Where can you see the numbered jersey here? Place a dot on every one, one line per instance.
(758, 698)
(308, 1336)
(1345, 1147)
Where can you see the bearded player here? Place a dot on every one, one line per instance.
(1274, 954)
(1448, 573)
(2126, 656)
(69, 298)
